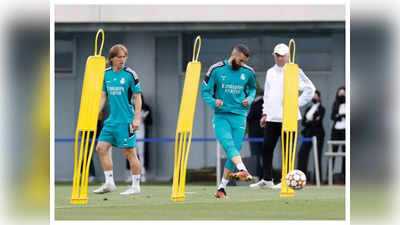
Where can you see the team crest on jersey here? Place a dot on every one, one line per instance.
(242, 76)
(122, 81)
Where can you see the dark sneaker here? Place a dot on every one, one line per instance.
(221, 194)
(241, 175)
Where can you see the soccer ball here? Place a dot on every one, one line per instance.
(296, 179)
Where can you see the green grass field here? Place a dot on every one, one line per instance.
(311, 203)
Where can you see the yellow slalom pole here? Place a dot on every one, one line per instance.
(179, 194)
(85, 173)
(186, 161)
(185, 123)
(181, 191)
(81, 151)
(176, 150)
(294, 151)
(79, 168)
(75, 186)
(177, 175)
(290, 150)
(283, 145)
(85, 184)
(290, 117)
(87, 120)
(100, 31)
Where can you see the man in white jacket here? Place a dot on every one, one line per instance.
(271, 120)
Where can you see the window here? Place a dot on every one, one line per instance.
(64, 57)
(313, 52)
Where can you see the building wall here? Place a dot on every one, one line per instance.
(160, 59)
(197, 13)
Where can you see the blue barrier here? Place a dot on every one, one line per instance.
(161, 140)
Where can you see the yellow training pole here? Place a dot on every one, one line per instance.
(75, 187)
(294, 153)
(290, 116)
(87, 121)
(184, 127)
(76, 199)
(85, 173)
(185, 162)
(85, 184)
(182, 166)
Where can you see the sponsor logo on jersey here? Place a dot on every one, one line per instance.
(115, 90)
(231, 88)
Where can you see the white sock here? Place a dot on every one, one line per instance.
(241, 166)
(109, 176)
(135, 180)
(223, 183)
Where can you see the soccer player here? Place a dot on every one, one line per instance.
(229, 89)
(120, 83)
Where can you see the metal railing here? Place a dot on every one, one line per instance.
(330, 154)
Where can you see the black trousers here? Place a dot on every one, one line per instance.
(339, 135)
(272, 132)
(256, 149)
(304, 152)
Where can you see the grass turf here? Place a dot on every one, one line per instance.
(311, 203)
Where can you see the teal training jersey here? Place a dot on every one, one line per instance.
(120, 86)
(230, 86)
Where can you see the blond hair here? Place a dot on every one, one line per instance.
(114, 50)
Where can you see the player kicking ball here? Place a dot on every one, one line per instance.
(229, 89)
(120, 83)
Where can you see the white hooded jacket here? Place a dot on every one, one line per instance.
(273, 93)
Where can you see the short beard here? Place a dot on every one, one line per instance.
(235, 66)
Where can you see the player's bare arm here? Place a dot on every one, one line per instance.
(102, 101)
(138, 110)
